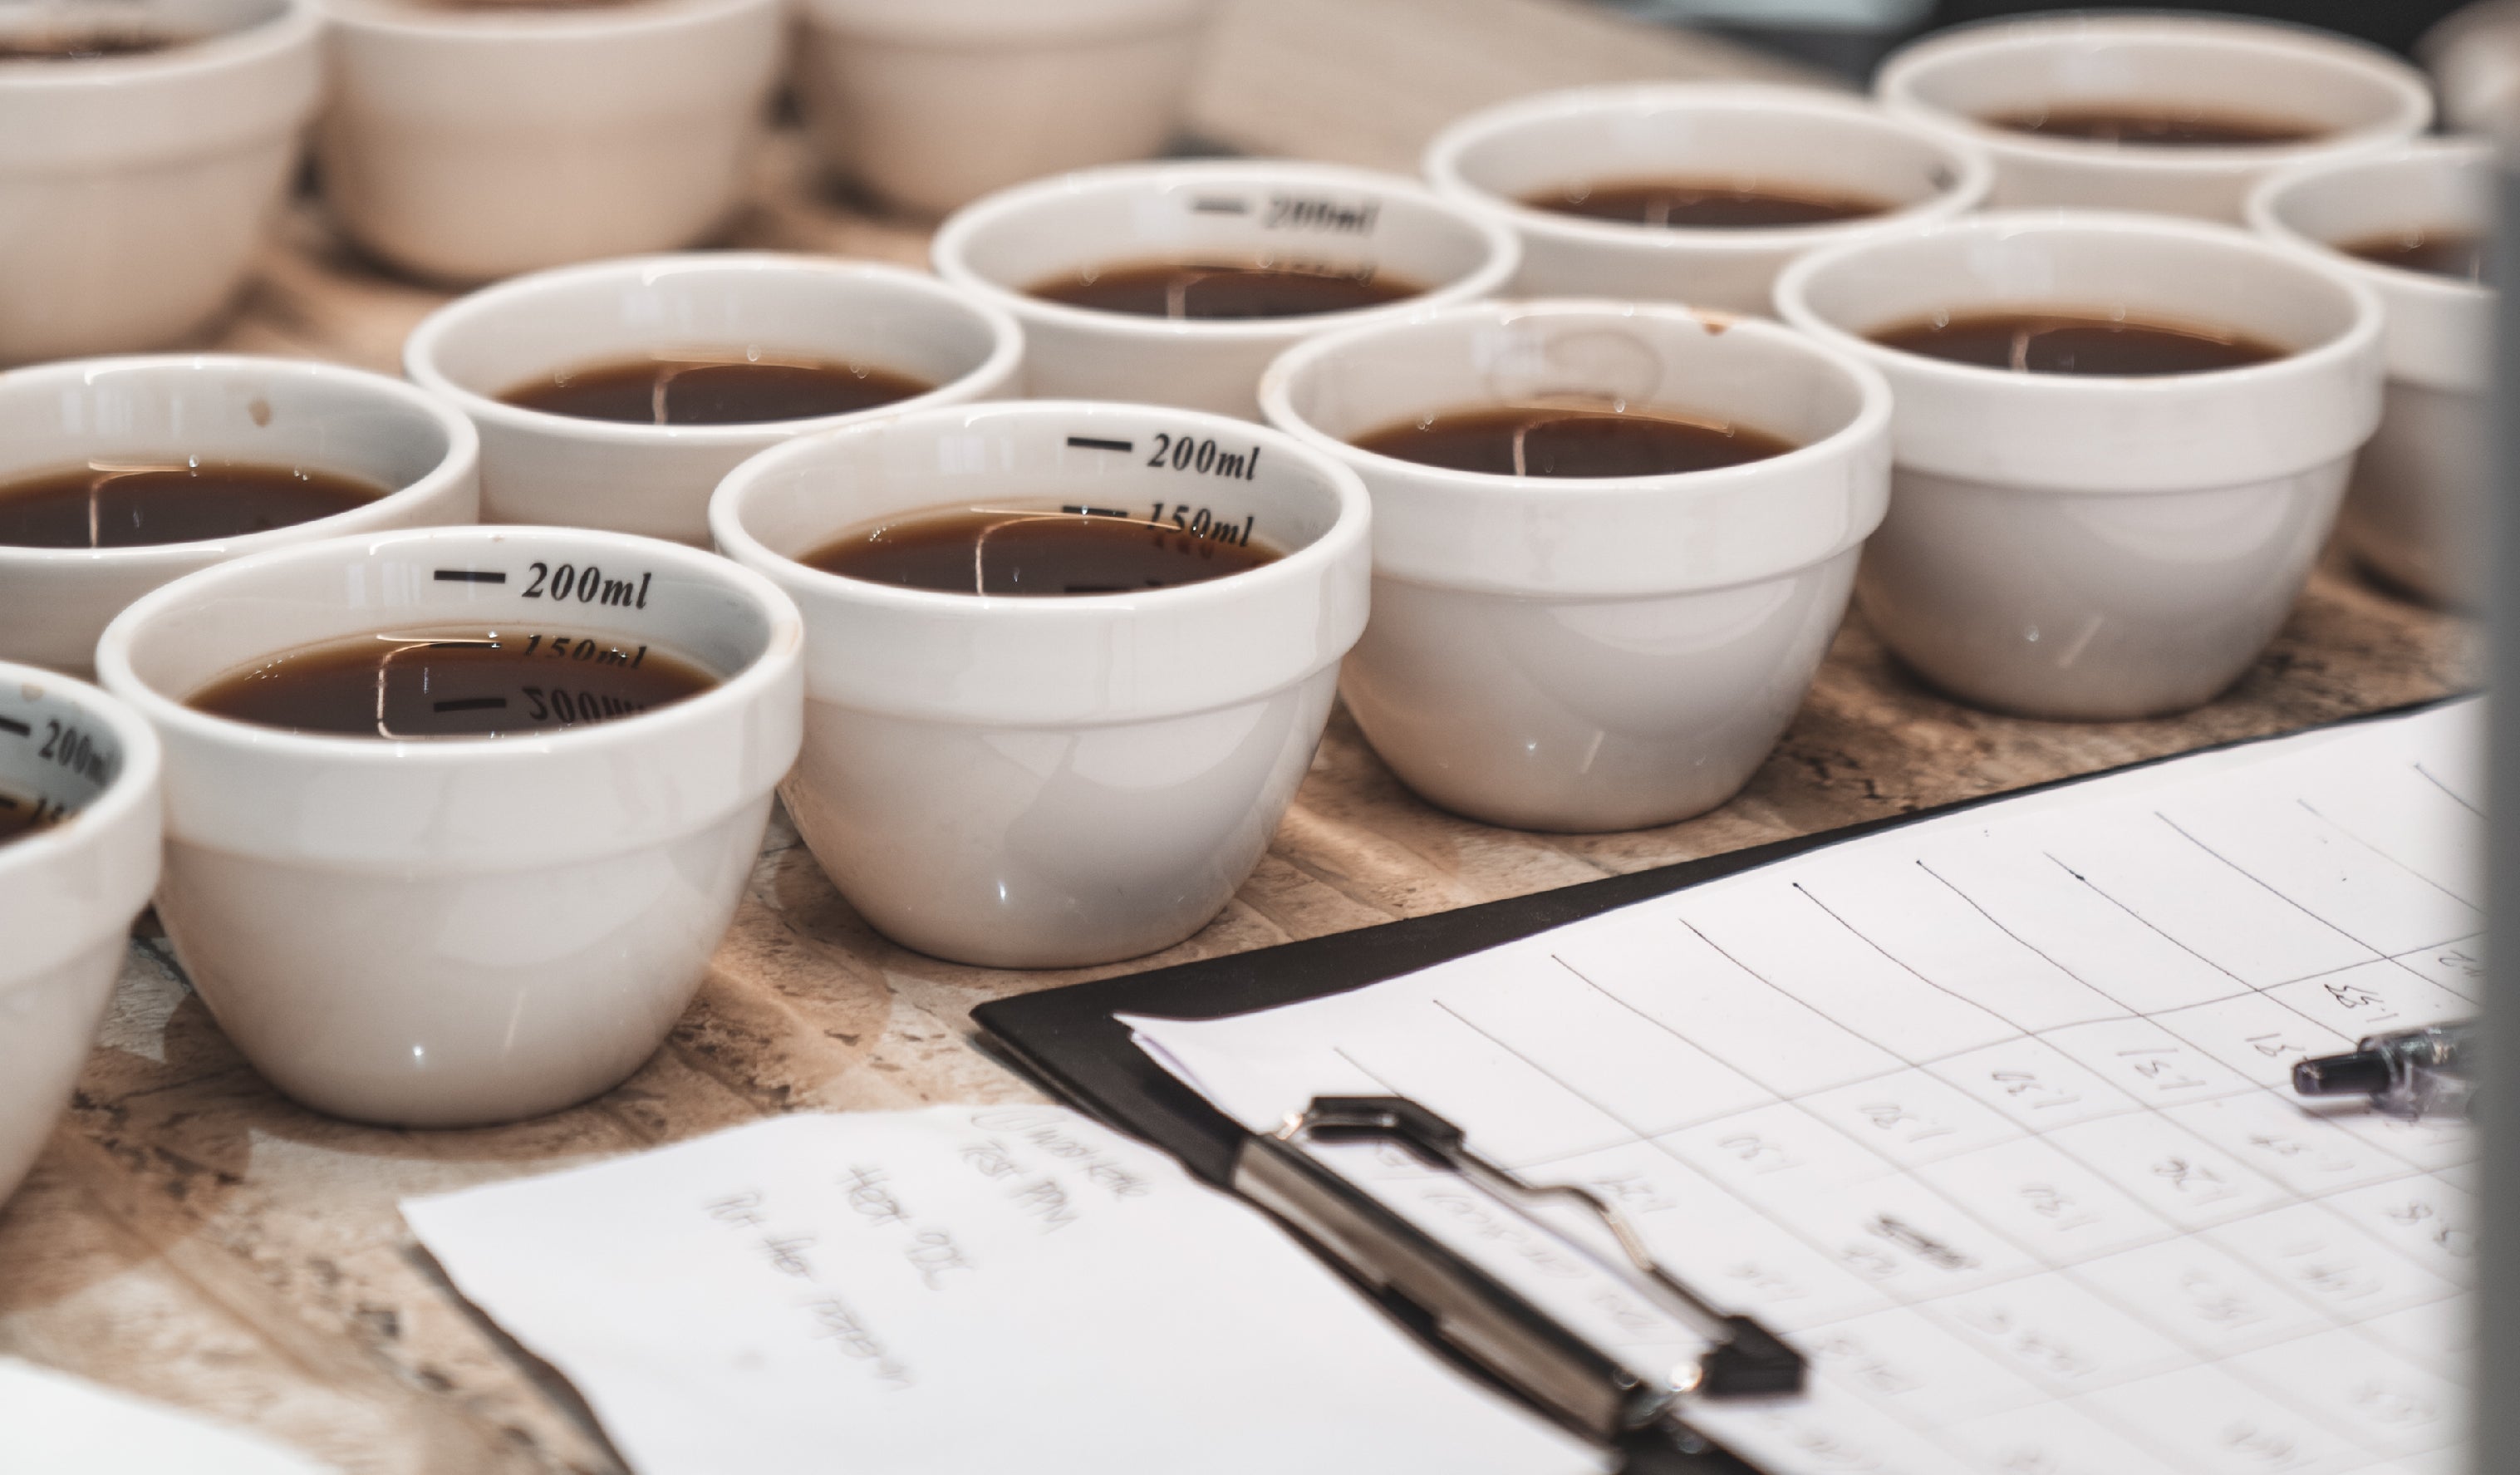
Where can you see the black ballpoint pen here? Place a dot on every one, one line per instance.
(2411, 1073)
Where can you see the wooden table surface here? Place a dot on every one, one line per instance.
(192, 1237)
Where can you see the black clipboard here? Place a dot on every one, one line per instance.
(1068, 1040)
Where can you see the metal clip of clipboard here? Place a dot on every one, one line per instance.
(1461, 1306)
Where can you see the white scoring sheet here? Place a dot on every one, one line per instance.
(1991, 1116)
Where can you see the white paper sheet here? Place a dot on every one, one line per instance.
(959, 1289)
(52, 1423)
(1990, 1115)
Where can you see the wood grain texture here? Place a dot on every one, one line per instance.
(192, 1237)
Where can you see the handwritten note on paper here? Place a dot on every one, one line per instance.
(1990, 1115)
(978, 1289)
(53, 1422)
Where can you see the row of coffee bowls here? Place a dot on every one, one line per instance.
(438, 933)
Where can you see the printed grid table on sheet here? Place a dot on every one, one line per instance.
(1992, 1117)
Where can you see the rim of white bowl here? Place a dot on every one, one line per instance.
(1871, 415)
(2265, 203)
(1896, 88)
(461, 458)
(142, 760)
(294, 23)
(1973, 170)
(781, 650)
(1352, 523)
(2362, 333)
(948, 249)
(529, 23)
(420, 349)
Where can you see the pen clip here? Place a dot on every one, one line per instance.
(1745, 1358)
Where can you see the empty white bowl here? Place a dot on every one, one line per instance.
(2098, 547)
(2357, 95)
(1054, 781)
(68, 894)
(1720, 132)
(542, 468)
(468, 143)
(213, 407)
(933, 104)
(1240, 211)
(1592, 654)
(449, 931)
(135, 190)
(2415, 512)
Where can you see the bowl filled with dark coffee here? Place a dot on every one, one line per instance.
(454, 817)
(1611, 542)
(2177, 113)
(1176, 283)
(2121, 442)
(78, 856)
(1694, 192)
(144, 148)
(118, 475)
(2410, 224)
(1065, 663)
(616, 395)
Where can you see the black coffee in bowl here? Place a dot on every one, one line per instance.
(456, 683)
(729, 391)
(1205, 291)
(1705, 204)
(138, 503)
(1042, 551)
(25, 816)
(2156, 127)
(1535, 440)
(80, 45)
(2102, 345)
(2459, 254)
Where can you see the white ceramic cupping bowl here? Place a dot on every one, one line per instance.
(465, 144)
(1594, 654)
(455, 931)
(934, 102)
(68, 894)
(655, 480)
(2415, 510)
(1732, 133)
(1243, 212)
(1054, 781)
(211, 407)
(2362, 96)
(134, 190)
(2086, 547)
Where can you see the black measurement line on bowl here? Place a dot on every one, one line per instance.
(472, 704)
(15, 727)
(1080, 509)
(1213, 205)
(1096, 443)
(470, 577)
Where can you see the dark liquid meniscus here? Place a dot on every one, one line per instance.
(1189, 290)
(2069, 342)
(2458, 254)
(2156, 127)
(79, 46)
(23, 816)
(1039, 550)
(1537, 440)
(470, 683)
(1705, 204)
(138, 503)
(735, 391)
